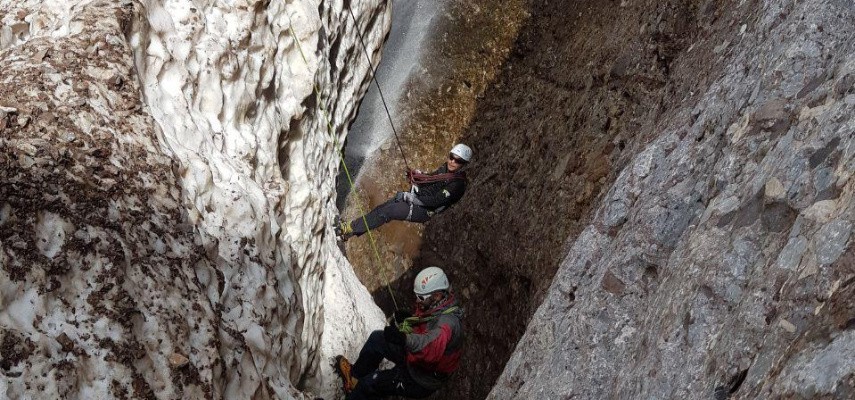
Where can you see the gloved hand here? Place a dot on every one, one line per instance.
(408, 197)
(394, 336)
(400, 315)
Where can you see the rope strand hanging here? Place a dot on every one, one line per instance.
(374, 78)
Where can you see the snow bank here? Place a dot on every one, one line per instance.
(179, 247)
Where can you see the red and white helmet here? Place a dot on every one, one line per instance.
(429, 280)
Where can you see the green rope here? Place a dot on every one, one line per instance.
(325, 115)
(374, 78)
(406, 326)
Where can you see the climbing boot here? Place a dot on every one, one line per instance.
(342, 368)
(344, 231)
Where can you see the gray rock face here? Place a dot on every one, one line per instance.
(720, 263)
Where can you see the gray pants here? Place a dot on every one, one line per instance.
(392, 209)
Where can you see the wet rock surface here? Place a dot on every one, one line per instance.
(462, 53)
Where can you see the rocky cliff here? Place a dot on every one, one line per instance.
(166, 194)
(719, 262)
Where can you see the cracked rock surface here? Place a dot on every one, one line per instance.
(719, 263)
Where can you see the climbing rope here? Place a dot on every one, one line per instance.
(407, 325)
(418, 178)
(374, 78)
(325, 115)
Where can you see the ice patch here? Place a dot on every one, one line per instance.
(159, 19)
(50, 233)
(21, 313)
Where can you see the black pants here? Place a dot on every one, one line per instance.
(392, 209)
(374, 384)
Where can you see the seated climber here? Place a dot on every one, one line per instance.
(424, 347)
(431, 193)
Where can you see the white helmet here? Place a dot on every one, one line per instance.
(463, 151)
(429, 280)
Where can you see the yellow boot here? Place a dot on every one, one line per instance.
(344, 231)
(342, 367)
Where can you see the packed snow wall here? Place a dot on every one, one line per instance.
(166, 194)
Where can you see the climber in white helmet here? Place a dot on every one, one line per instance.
(425, 346)
(431, 193)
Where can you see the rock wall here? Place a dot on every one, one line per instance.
(578, 96)
(719, 263)
(167, 188)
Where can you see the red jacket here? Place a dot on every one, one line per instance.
(436, 344)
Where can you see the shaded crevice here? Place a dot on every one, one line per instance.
(733, 385)
(574, 86)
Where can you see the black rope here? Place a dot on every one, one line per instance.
(374, 78)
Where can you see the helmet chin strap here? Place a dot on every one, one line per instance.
(433, 304)
(425, 306)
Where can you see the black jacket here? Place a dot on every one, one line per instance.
(441, 194)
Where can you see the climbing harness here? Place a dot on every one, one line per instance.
(418, 178)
